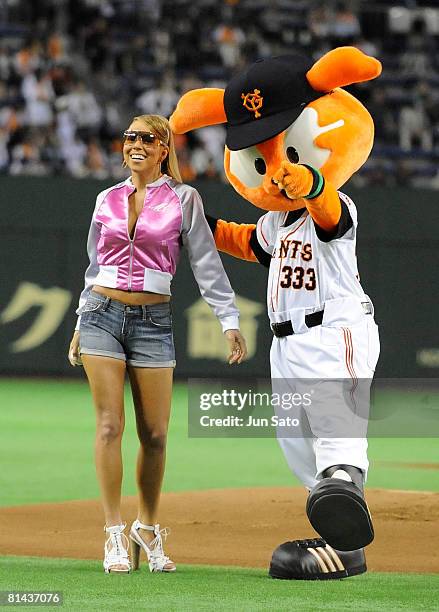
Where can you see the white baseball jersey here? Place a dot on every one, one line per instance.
(308, 270)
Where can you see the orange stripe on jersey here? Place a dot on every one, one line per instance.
(262, 233)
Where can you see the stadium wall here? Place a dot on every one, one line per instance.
(43, 258)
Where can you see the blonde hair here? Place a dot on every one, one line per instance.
(160, 126)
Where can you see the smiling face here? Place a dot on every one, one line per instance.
(333, 134)
(143, 157)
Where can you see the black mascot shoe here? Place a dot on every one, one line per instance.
(337, 510)
(315, 560)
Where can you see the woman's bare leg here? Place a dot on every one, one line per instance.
(106, 377)
(152, 393)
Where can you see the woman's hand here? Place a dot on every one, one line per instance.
(237, 345)
(74, 356)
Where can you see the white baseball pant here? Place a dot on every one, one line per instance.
(332, 429)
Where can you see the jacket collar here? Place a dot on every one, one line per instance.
(160, 181)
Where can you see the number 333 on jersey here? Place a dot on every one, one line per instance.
(308, 266)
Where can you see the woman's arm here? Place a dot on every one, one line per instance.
(90, 275)
(205, 261)
(93, 268)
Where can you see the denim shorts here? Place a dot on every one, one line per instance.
(139, 335)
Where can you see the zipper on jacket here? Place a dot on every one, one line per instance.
(130, 272)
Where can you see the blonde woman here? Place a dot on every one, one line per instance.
(125, 324)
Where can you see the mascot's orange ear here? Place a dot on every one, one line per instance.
(198, 108)
(342, 66)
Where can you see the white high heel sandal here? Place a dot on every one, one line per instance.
(158, 561)
(116, 551)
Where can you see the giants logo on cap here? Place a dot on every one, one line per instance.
(253, 102)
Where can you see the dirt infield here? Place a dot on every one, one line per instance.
(230, 527)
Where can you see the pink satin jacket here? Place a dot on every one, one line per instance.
(172, 216)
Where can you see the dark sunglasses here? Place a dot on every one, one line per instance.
(145, 137)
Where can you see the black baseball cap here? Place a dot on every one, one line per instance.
(266, 98)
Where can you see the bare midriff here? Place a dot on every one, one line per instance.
(132, 298)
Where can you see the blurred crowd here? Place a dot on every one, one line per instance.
(74, 72)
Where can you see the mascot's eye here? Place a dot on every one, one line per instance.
(248, 166)
(300, 140)
(260, 166)
(292, 155)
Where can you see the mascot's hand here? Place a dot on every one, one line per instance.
(295, 179)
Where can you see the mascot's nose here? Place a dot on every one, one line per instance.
(270, 186)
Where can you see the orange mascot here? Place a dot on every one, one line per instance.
(294, 137)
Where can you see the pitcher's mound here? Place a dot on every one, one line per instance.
(230, 527)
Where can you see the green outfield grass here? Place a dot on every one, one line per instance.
(47, 431)
(86, 587)
(46, 450)
(46, 454)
